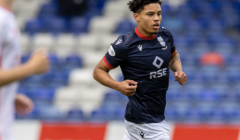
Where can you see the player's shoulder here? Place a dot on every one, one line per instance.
(4, 16)
(165, 31)
(123, 41)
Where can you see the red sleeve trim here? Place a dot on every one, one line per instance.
(174, 51)
(106, 62)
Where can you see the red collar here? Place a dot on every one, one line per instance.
(6, 8)
(143, 36)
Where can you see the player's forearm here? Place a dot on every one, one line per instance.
(175, 63)
(15, 74)
(104, 78)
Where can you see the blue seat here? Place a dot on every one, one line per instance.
(175, 92)
(205, 110)
(175, 24)
(124, 26)
(206, 6)
(53, 58)
(100, 115)
(56, 78)
(216, 5)
(119, 114)
(194, 114)
(92, 12)
(50, 113)
(236, 91)
(33, 26)
(190, 59)
(229, 110)
(234, 59)
(210, 73)
(52, 24)
(112, 96)
(222, 88)
(233, 73)
(184, 12)
(210, 95)
(190, 71)
(180, 40)
(43, 95)
(115, 97)
(194, 91)
(75, 114)
(78, 25)
(216, 25)
(193, 25)
(216, 115)
(73, 61)
(57, 25)
(48, 9)
(171, 114)
(180, 110)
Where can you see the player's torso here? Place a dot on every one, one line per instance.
(9, 58)
(10, 43)
(147, 61)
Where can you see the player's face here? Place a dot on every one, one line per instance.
(149, 19)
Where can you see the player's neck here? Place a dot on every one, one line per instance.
(7, 4)
(141, 31)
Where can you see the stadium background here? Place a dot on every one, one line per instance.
(71, 105)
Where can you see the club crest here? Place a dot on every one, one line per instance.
(161, 41)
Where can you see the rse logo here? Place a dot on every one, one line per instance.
(158, 62)
(158, 74)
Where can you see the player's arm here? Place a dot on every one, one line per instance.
(176, 66)
(23, 104)
(37, 64)
(101, 74)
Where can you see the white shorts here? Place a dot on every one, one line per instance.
(150, 131)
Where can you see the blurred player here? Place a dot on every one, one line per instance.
(145, 56)
(11, 71)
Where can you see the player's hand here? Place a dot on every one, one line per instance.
(127, 87)
(39, 62)
(23, 105)
(181, 77)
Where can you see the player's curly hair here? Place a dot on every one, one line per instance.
(136, 6)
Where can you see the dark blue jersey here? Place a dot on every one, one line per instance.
(144, 60)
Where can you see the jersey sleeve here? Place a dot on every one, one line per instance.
(173, 47)
(3, 32)
(116, 53)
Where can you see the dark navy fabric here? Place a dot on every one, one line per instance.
(146, 62)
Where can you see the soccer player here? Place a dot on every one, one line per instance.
(11, 71)
(145, 56)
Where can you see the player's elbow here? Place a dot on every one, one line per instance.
(95, 74)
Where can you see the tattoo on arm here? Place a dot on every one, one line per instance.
(176, 58)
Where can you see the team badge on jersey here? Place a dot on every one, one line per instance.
(111, 51)
(161, 41)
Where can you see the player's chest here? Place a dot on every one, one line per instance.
(150, 54)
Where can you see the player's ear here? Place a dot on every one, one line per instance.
(136, 16)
